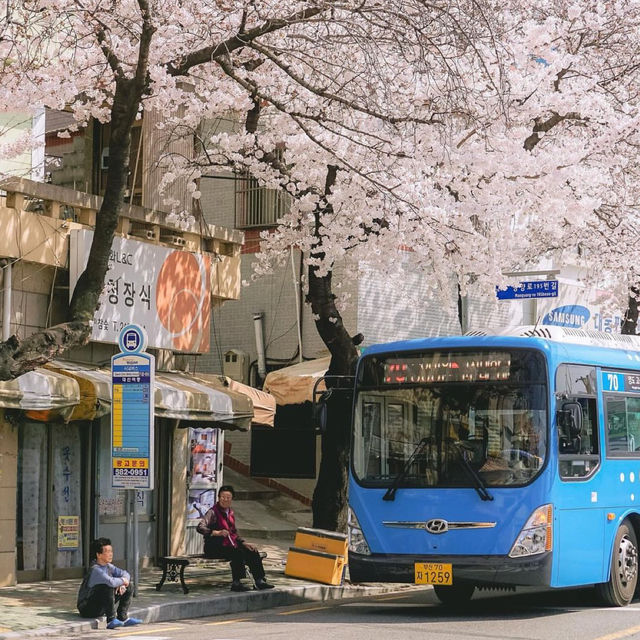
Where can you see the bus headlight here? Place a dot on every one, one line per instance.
(537, 534)
(357, 541)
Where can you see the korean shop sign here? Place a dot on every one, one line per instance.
(132, 412)
(165, 291)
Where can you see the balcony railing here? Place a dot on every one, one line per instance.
(257, 206)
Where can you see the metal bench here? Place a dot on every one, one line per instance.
(173, 567)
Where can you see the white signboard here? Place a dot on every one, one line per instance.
(580, 308)
(166, 291)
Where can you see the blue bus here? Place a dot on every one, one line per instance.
(492, 461)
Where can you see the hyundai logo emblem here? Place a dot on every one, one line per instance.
(437, 526)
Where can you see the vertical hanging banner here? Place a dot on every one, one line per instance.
(132, 395)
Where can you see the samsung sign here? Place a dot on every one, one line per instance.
(574, 316)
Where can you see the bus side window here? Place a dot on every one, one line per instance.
(579, 457)
(623, 426)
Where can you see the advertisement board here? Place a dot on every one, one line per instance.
(580, 308)
(166, 291)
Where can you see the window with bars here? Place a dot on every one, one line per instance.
(257, 206)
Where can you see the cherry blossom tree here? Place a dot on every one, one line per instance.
(463, 140)
(475, 138)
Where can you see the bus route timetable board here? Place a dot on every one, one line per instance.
(132, 418)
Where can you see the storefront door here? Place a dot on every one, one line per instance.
(51, 500)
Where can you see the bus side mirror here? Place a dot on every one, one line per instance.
(319, 411)
(569, 419)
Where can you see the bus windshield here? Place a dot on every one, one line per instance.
(484, 410)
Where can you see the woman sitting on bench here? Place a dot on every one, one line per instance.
(221, 540)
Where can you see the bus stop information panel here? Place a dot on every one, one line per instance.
(132, 377)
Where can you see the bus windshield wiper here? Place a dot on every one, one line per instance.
(391, 491)
(476, 480)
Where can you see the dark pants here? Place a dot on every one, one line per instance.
(103, 601)
(240, 558)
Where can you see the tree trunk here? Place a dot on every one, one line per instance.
(630, 322)
(89, 286)
(329, 503)
(21, 356)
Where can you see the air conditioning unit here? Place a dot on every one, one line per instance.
(236, 365)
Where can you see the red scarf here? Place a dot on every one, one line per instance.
(228, 522)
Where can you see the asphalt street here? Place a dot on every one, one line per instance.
(567, 615)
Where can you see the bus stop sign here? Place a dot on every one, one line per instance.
(132, 412)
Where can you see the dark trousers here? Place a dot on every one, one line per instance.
(240, 558)
(103, 601)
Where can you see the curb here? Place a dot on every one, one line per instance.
(219, 605)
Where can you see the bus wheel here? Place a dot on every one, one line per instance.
(454, 595)
(619, 590)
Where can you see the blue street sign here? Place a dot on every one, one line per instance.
(533, 289)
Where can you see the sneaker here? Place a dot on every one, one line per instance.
(115, 624)
(130, 622)
(238, 586)
(263, 584)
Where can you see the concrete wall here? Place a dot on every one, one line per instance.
(179, 466)
(388, 312)
(217, 200)
(273, 295)
(31, 297)
(8, 491)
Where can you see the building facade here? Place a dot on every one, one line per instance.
(55, 422)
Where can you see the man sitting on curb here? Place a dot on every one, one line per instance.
(104, 586)
(221, 540)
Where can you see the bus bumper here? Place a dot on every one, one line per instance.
(489, 570)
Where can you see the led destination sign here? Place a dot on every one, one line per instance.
(448, 367)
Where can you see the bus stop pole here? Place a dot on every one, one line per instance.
(127, 531)
(136, 554)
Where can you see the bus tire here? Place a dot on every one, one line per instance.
(454, 595)
(619, 590)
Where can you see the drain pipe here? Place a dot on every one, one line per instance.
(6, 300)
(257, 325)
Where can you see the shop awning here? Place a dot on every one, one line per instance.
(264, 404)
(42, 394)
(94, 385)
(202, 397)
(294, 385)
(181, 396)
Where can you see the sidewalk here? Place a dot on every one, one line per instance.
(48, 608)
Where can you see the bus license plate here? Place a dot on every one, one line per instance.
(433, 573)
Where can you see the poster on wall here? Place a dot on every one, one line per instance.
(203, 445)
(199, 502)
(68, 533)
(203, 472)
